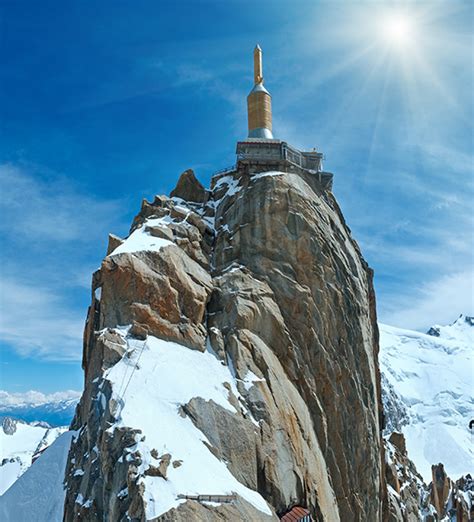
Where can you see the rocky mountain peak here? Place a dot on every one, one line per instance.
(9, 425)
(461, 329)
(233, 330)
(189, 188)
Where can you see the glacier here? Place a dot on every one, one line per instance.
(431, 379)
(19, 442)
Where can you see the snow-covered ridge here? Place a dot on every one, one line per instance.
(20, 443)
(462, 330)
(38, 495)
(431, 378)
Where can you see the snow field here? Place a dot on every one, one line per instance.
(21, 446)
(434, 379)
(169, 376)
(39, 494)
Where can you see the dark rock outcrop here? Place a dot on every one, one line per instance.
(189, 188)
(461, 502)
(9, 425)
(396, 415)
(440, 488)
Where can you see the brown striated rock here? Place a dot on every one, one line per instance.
(306, 305)
(163, 232)
(440, 488)
(166, 291)
(233, 438)
(112, 347)
(398, 440)
(161, 469)
(114, 242)
(138, 330)
(462, 499)
(189, 188)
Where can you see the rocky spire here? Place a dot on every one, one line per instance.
(244, 318)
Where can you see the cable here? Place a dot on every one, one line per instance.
(135, 367)
(123, 377)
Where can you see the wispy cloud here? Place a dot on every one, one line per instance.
(38, 322)
(416, 228)
(43, 207)
(439, 301)
(215, 83)
(53, 236)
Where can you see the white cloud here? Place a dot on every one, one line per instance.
(38, 322)
(448, 159)
(50, 208)
(440, 301)
(53, 237)
(35, 398)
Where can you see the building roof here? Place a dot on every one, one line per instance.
(297, 513)
(260, 140)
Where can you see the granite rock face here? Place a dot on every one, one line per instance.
(189, 188)
(263, 272)
(440, 488)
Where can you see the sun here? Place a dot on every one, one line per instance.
(397, 29)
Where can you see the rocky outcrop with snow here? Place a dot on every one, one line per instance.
(230, 358)
(409, 496)
(428, 393)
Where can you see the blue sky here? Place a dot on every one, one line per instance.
(106, 103)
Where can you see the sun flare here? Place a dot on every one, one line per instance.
(397, 30)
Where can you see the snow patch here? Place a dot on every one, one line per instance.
(9, 473)
(140, 240)
(250, 379)
(267, 174)
(233, 186)
(17, 449)
(82, 501)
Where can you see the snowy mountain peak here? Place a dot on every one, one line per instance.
(428, 393)
(56, 409)
(9, 424)
(462, 329)
(19, 443)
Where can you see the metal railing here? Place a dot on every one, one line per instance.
(225, 169)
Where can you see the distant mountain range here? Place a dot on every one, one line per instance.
(29, 423)
(57, 412)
